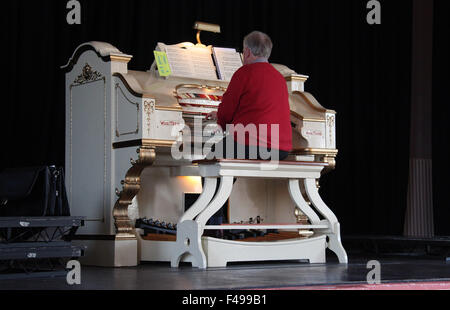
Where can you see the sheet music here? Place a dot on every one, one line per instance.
(202, 63)
(179, 61)
(195, 62)
(228, 61)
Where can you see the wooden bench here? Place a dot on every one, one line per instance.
(212, 252)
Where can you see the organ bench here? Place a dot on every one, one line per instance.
(212, 252)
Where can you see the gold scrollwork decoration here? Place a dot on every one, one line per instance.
(87, 75)
(331, 122)
(131, 187)
(149, 109)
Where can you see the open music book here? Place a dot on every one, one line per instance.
(228, 61)
(197, 61)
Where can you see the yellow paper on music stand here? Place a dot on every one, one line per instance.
(163, 63)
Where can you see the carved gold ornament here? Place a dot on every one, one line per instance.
(149, 108)
(131, 187)
(87, 75)
(330, 120)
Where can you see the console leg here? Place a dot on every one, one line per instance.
(297, 197)
(224, 192)
(203, 201)
(335, 245)
(189, 240)
(334, 233)
(225, 188)
(189, 232)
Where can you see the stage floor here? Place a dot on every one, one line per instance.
(273, 275)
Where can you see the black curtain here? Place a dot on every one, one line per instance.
(362, 71)
(441, 112)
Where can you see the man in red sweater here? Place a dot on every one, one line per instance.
(255, 108)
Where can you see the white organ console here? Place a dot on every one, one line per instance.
(121, 126)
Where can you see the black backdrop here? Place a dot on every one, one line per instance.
(361, 71)
(441, 113)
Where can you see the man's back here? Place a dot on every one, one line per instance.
(258, 95)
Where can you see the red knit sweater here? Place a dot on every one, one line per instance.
(257, 94)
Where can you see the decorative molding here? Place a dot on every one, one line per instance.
(171, 109)
(125, 59)
(144, 142)
(300, 78)
(136, 104)
(312, 102)
(309, 151)
(321, 155)
(158, 142)
(149, 109)
(331, 122)
(105, 51)
(87, 75)
(129, 88)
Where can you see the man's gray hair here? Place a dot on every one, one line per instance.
(259, 44)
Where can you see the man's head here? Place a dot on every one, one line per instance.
(257, 45)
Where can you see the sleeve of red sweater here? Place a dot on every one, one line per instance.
(231, 98)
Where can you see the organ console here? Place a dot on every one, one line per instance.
(121, 128)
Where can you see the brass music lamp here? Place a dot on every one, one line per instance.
(201, 26)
